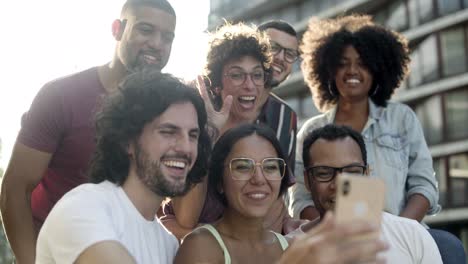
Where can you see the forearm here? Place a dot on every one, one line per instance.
(19, 226)
(416, 207)
(187, 208)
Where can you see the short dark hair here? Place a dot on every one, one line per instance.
(279, 25)
(234, 41)
(224, 146)
(159, 4)
(383, 51)
(332, 132)
(142, 96)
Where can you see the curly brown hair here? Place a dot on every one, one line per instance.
(234, 41)
(142, 96)
(383, 51)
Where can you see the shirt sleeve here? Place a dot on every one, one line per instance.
(428, 251)
(299, 196)
(421, 177)
(77, 221)
(43, 125)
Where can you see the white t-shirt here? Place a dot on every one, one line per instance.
(92, 213)
(409, 241)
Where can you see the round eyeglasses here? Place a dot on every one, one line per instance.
(327, 174)
(244, 168)
(238, 78)
(290, 55)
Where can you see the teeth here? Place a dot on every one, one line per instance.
(150, 58)
(257, 195)
(276, 68)
(176, 164)
(353, 81)
(247, 98)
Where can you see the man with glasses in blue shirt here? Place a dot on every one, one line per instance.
(284, 46)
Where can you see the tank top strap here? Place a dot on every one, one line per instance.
(215, 233)
(282, 240)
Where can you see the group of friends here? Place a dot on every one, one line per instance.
(121, 163)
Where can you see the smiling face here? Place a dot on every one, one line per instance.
(336, 153)
(281, 68)
(248, 98)
(146, 39)
(253, 197)
(167, 150)
(353, 79)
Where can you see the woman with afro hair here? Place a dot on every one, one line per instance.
(352, 67)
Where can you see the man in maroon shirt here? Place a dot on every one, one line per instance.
(56, 139)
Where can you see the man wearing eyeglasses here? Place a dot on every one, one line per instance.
(284, 46)
(333, 149)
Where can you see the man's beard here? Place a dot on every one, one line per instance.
(149, 172)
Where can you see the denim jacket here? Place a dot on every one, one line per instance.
(396, 152)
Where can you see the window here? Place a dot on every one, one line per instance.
(448, 6)
(308, 8)
(441, 176)
(424, 65)
(430, 66)
(458, 171)
(430, 115)
(456, 104)
(413, 13)
(453, 51)
(415, 77)
(425, 10)
(397, 18)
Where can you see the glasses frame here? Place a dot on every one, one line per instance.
(309, 170)
(257, 164)
(245, 74)
(281, 48)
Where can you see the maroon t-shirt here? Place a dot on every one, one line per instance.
(61, 122)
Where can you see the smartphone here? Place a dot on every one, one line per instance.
(359, 197)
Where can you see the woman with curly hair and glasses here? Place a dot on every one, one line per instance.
(236, 89)
(352, 67)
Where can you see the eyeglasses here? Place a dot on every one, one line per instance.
(238, 78)
(244, 168)
(290, 55)
(326, 174)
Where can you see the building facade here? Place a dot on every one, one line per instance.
(437, 87)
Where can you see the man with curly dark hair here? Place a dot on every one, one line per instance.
(352, 67)
(236, 90)
(151, 144)
(56, 138)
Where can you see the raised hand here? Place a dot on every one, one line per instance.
(216, 118)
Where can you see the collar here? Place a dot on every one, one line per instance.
(375, 112)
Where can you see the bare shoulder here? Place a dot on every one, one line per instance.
(200, 246)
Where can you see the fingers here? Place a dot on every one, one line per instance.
(202, 88)
(363, 252)
(227, 103)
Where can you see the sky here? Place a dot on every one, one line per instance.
(52, 38)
